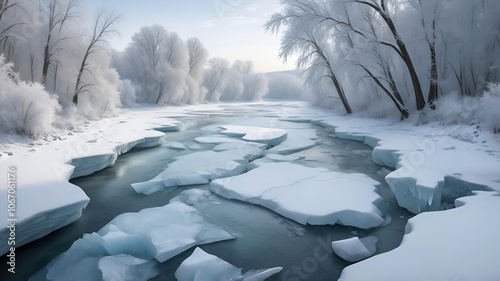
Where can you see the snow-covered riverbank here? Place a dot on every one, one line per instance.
(433, 164)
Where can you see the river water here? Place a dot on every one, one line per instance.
(264, 240)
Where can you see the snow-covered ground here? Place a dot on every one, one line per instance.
(434, 165)
(44, 199)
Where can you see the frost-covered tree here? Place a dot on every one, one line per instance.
(215, 78)
(158, 65)
(104, 25)
(286, 86)
(306, 36)
(25, 108)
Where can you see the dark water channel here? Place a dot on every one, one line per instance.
(264, 240)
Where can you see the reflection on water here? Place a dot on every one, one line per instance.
(264, 239)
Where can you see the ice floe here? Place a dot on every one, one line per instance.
(268, 136)
(297, 140)
(226, 159)
(455, 244)
(432, 168)
(307, 195)
(131, 242)
(355, 249)
(201, 266)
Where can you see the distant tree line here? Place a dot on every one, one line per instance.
(46, 47)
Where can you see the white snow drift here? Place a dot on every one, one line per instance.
(201, 266)
(456, 244)
(307, 195)
(130, 242)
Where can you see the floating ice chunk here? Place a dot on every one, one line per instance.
(443, 245)
(307, 195)
(214, 140)
(272, 158)
(178, 145)
(201, 266)
(131, 241)
(196, 197)
(201, 168)
(268, 136)
(297, 140)
(126, 268)
(355, 249)
(250, 150)
(172, 229)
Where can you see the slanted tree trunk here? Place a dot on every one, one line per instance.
(402, 51)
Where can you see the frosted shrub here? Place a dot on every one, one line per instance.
(24, 107)
(490, 108)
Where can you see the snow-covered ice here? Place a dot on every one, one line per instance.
(355, 249)
(126, 268)
(297, 140)
(131, 242)
(44, 172)
(307, 195)
(201, 266)
(455, 244)
(270, 136)
(227, 159)
(177, 145)
(431, 167)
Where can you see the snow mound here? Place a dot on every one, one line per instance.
(203, 266)
(203, 167)
(461, 242)
(297, 140)
(125, 248)
(355, 249)
(268, 136)
(314, 196)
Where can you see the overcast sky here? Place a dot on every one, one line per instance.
(231, 29)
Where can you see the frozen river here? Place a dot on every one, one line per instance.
(264, 238)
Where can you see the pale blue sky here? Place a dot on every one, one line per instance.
(228, 28)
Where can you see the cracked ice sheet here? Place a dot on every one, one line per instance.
(203, 266)
(297, 140)
(268, 136)
(227, 159)
(134, 239)
(456, 244)
(314, 196)
(429, 162)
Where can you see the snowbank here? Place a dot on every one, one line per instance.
(432, 168)
(307, 195)
(203, 266)
(456, 244)
(45, 200)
